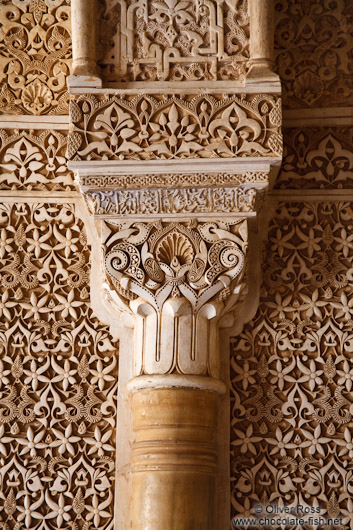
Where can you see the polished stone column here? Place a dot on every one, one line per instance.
(261, 40)
(84, 44)
(174, 456)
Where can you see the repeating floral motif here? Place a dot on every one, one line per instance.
(292, 369)
(161, 260)
(174, 40)
(58, 376)
(171, 127)
(317, 158)
(314, 52)
(34, 161)
(35, 56)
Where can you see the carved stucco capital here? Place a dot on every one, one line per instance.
(178, 278)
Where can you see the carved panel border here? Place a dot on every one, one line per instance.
(172, 127)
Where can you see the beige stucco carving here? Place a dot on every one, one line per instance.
(174, 41)
(58, 373)
(35, 56)
(292, 401)
(171, 127)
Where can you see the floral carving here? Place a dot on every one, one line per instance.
(292, 368)
(35, 56)
(34, 161)
(314, 52)
(171, 127)
(317, 158)
(195, 260)
(174, 40)
(58, 376)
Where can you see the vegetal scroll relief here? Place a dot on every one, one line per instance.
(58, 376)
(158, 260)
(34, 161)
(292, 371)
(317, 158)
(35, 56)
(314, 52)
(172, 127)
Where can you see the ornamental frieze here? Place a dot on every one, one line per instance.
(162, 180)
(173, 201)
(160, 127)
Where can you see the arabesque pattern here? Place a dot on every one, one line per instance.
(317, 158)
(34, 161)
(172, 127)
(35, 56)
(314, 52)
(292, 371)
(173, 40)
(58, 376)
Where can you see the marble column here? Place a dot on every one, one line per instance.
(84, 44)
(261, 40)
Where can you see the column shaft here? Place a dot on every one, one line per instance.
(174, 461)
(261, 38)
(84, 43)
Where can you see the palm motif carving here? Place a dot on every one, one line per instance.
(35, 56)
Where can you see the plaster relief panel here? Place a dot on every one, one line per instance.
(35, 56)
(292, 370)
(173, 40)
(174, 127)
(58, 376)
(317, 158)
(34, 161)
(314, 52)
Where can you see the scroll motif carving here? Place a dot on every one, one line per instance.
(35, 56)
(34, 161)
(172, 201)
(174, 40)
(171, 127)
(314, 52)
(159, 260)
(58, 376)
(292, 371)
(317, 158)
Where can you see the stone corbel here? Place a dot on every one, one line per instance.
(84, 18)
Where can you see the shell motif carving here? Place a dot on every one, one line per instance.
(160, 260)
(35, 56)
